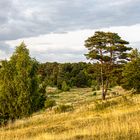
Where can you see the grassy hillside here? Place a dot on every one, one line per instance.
(118, 118)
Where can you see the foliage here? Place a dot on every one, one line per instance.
(74, 74)
(65, 87)
(93, 88)
(19, 86)
(118, 122)
(106, 49)
(131, 75)
(49, 103)
(81, 79)
(94, 93)
(48, 73)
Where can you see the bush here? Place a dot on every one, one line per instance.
(65, 87)
(63, 108)
(97, 87)
(93, 88)
(49, 103)
(94, 93)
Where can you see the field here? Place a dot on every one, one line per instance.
(117, 118)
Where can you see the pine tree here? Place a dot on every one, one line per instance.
(107, 49)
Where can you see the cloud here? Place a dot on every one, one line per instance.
(5, 50)
(57, 28)
(32, 18)
(5, 47)
(69, 47)
(61, 58)
(136, 45)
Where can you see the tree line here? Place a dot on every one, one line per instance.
(72, 75)
(23, 80)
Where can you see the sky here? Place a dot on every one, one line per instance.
(55, 30)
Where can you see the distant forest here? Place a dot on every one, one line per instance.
(76, 75)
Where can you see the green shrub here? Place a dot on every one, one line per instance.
(63, 108)
(93, 88)
(97, 87)
(65, 87)
(94, 93)
(49, 103)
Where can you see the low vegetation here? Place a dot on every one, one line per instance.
(91, 118)
(63, 108)
(49, 103)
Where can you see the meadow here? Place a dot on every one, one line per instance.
(90, 118)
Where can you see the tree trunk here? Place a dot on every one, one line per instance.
(102, 80)
(106, 86)
(103, 95)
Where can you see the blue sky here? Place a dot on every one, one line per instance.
(55, 30)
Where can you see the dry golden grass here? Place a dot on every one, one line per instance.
(114, 119)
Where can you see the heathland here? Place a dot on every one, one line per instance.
(80, 114)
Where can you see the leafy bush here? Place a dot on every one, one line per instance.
(63, 108)
(93, 88)
(97, 87)
(94, 93)
(49, 103)
(65, 87)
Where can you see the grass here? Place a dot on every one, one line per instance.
(92, 119)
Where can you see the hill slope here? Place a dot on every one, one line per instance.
(117, 118)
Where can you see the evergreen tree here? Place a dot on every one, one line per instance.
(131, 73)
(107, 49)
(19, 90)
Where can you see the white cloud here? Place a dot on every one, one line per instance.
(28, 18)
(66, 47)
(130, 33)
(55, 30)
(4, 55)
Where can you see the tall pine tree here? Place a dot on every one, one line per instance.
(107, 49)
